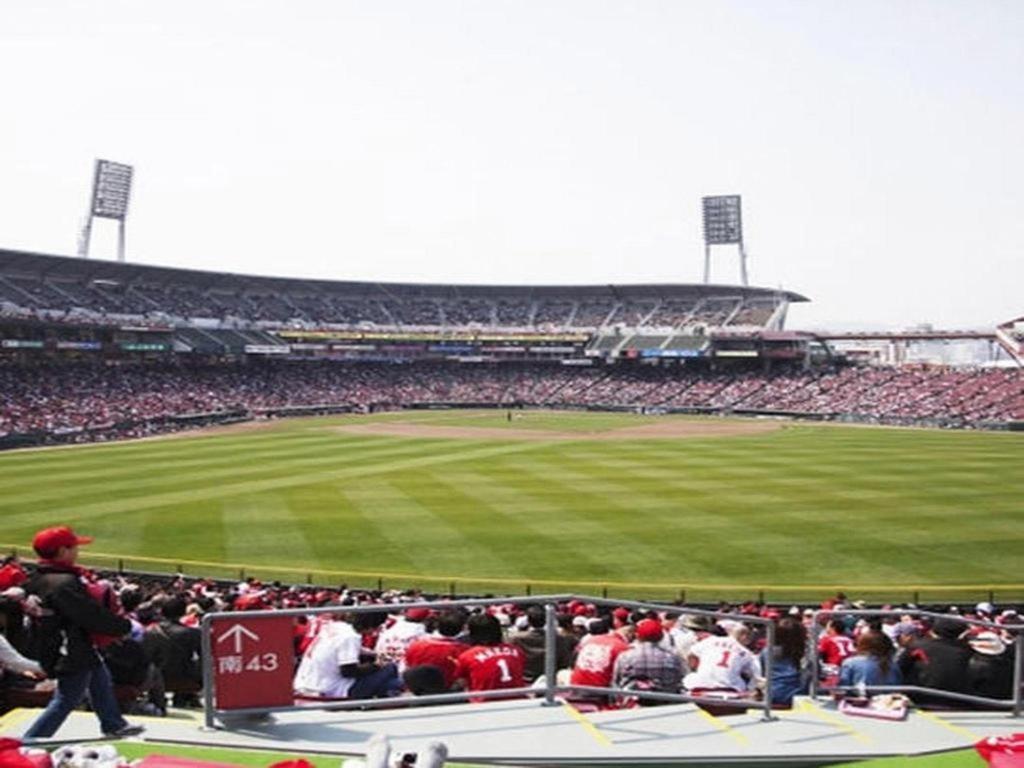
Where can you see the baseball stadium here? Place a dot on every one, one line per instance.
(662, 458)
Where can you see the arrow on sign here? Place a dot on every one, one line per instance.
(236, 632)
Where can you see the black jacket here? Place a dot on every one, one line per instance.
(933, 662)
(62, 635)
(175, 650)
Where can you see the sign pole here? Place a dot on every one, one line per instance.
(208, 722)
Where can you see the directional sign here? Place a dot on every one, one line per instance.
(238, 632)
(253, 661)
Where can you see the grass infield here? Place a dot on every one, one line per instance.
(635, 505)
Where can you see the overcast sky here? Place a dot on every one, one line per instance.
(878, 146)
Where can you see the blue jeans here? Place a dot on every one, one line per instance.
(383, 683)
(71, 690)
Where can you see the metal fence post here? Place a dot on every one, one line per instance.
(550, 652)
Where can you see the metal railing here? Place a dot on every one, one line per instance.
(548, 693)
(1016, 703)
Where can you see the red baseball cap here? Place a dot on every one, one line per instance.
(417, 614)
(648, 629)
(48, 541)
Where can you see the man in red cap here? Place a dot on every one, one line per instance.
(69, 621)
(647, 665)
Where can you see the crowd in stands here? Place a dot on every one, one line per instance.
(399, 651)
(99, 400)
(378, 305)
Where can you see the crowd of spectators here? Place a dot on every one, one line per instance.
(82, 398)
(400, 651)
(379, 305)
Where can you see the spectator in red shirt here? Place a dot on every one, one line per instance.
(834, 647)
(490, 664)
(431, 661)
(596, 655)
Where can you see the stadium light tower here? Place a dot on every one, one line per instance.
(723, 225)
(111, 190)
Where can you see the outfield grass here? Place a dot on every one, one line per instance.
(873, 510)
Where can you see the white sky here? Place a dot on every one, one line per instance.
(878, 146)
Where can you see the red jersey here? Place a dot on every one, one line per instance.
(440, 652)
(595, 659)
(834, 648)
(491, 667)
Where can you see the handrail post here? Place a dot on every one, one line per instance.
(769, 665)
(1018, 675)
(815, 661)
(550, 651)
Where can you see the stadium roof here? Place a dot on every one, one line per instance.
(43, 266)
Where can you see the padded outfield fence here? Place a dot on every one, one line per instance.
(461, 585)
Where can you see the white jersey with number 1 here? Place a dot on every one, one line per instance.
(335, 645)
(724, 663)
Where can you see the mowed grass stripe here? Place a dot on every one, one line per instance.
(428, 536)
(635, 545)
(532, 530)
(223, 452)
(246, 542)
(265, 465)
(81, 512)
(750, 534)
(155, 447)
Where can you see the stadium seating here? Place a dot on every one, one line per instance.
(59, 398)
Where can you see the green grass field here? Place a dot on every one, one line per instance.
(794, 512)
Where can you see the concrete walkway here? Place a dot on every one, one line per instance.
(526, 732)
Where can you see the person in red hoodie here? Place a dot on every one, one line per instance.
(71, 625)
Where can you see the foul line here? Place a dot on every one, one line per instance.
(543, 582)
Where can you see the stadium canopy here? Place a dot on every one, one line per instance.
(63, 268)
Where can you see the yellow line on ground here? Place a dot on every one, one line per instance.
(588, 726)
(958, 730)
(13, 718)
(538, 582)
(724, 727)
(828, 717)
